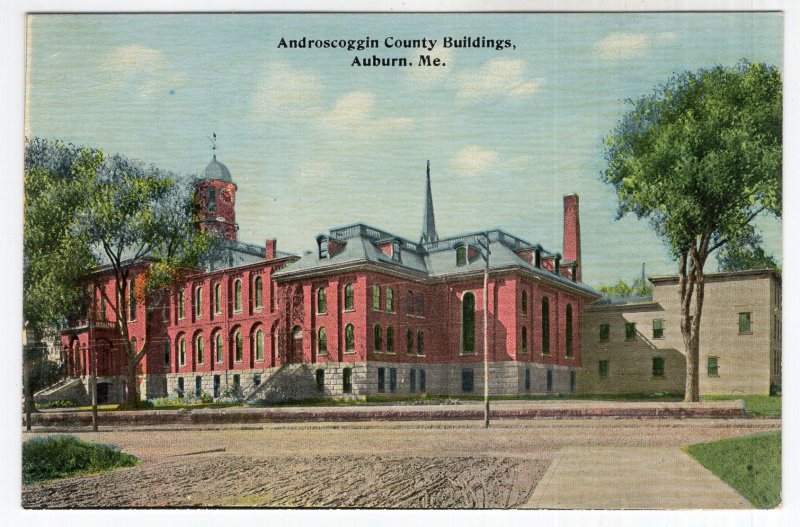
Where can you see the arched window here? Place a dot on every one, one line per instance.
(468, 323)
(410, 303)
(275, 343)
(198, 302)
(218, 298)
(297, 341)
(409, 341)
(166, 353)
(322, 341)
(218, 347)
(390, 339)
(349, 338)
(376, 297)
(181, 310)
(378, 340)
(257, 293)
(103, 307)
(322, 301)
(524, 342)
(568, 330)
(420, 311)
(461, 255)
(237, 295)
(524, 302)
(182, 351)
(390, 300)
(200, 349)
(238, 344)
(545, 326)
(348, 297)
(259, 345)
(132, 300)
(420, 348)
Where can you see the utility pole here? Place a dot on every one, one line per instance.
(485, 252)
(93, 366)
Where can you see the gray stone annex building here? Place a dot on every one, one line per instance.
(635, 345)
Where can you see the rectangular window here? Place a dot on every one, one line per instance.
(605, 329)
(630, 331)
(132, 301)
(422, 380)
(467, 381)
(602, 369)
(658, 366)
(381, 380)
(412, 380)
(713, 367)
(257, 379)
(236, 382)
(347, 380)
(166, 353)
(527, 378)
(393, 380)
(572, 381)
(180, 387)
(181, 310)
(549, 380)
(376, 298)
(744, 324)
(198, 385)
(320, 380)
(658, 328)
(216, 385)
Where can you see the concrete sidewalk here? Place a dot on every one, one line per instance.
(631, 478)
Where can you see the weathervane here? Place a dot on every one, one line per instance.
(213, 140)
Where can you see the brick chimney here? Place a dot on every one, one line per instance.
(270, 249)
(572, 232)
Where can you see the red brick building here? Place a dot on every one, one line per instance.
(365, 313)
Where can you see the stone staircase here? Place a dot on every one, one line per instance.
(288, 382)
(68, 388)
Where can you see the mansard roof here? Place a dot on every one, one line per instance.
(360, 244)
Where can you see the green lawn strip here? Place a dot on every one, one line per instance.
(751, 465)
(63, 456)
(755, 405)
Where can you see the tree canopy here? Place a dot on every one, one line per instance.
(700, 158)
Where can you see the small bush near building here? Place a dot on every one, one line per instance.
(62, 456)
(751, 465)
(66, 403)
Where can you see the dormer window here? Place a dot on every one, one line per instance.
(396, 250)
(461, 255)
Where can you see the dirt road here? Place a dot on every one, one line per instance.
(406, 465)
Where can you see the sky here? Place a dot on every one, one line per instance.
(314, 143)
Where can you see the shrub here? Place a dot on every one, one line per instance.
(66, 403)
(63, 456)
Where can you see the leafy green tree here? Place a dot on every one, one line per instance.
(746, 254)
(84, 210)
(621, 288)
(142, 219)
(700, 158)
(56, 257)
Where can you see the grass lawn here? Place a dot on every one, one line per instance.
(756, 405)
(751, 465)
(63, 456)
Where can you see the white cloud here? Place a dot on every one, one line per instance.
(433, 73)
(145, 70)
(473, 159)
(286, 90)
(355, 112)
(618, 46)
(497, 78)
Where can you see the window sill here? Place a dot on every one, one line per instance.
(467, 354)
(746, 333)
(351, 310)
(658, 338)
(713, 376)
(237, 311)
(322, 314)
(258, 309)
(353, 352)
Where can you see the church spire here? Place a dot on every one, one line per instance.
(428, 222)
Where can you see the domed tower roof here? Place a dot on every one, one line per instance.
(217, 170)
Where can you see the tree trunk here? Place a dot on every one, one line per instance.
(132, 395)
